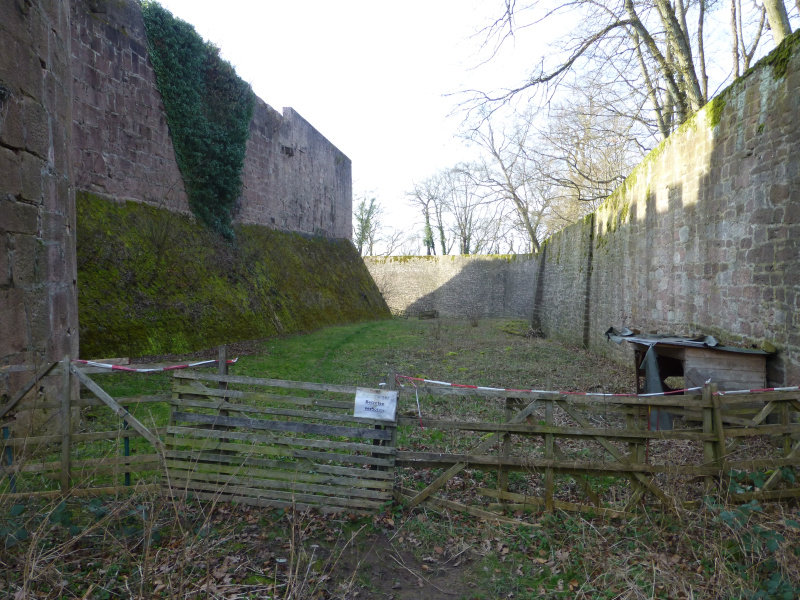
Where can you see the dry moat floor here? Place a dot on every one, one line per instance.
(146, 546)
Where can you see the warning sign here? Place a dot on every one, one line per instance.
(376, 404)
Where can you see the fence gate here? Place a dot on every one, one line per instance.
(276, 443)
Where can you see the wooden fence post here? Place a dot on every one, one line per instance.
(66, 424)
(12, 480)
(635, 456)
(719, 432)
(708, 445)
(391, 384)
(548, 453)
(786, 420)
(505, 452)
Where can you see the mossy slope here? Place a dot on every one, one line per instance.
(155, 282)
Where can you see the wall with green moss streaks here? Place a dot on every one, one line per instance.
(152, 281)
(703, 236)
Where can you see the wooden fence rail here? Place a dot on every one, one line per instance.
(260, 445)
(280, 443)
(577, 439)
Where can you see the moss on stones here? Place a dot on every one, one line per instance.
(155, 282)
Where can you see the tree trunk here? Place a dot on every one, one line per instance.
(778, 19)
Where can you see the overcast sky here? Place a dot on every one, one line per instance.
(370, 75)
(373, 76)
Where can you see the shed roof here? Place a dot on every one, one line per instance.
(656, 339)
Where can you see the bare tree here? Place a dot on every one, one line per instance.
(429, 197)
(742, 55)
(510, 173)
(653, 48)
(366, 224)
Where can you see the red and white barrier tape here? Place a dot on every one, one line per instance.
(202, 363)
(793, 388)
(493, 389)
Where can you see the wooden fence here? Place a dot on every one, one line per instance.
(280, 443)
(84, 462)
(571, 451)
(276, 443)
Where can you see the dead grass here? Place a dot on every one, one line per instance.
(145, 546)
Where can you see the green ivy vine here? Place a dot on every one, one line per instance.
(208, 107)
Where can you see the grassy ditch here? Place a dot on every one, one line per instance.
(148, 546)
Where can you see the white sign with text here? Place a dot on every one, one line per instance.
(376, 404)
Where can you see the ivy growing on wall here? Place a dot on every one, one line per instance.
(209, 108)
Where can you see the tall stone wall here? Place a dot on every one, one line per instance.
(293, 177)
(38, 307)
(703, 237)
(456, 286)
(121, 144)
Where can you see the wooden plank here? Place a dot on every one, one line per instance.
(265, 502)
(270, 439)
(548, 454)
(307, 466)
(118, 410)
(276, 474)
(243, 450)
(66, 424)
(262, 492)
(776, 429)
(535, 502)
(486, 462)
(505, 449)
(767, 495)
(176, 474)
(78, 492)
(577, 432)
(652, 488)
(80, 477)
(458, 467)
(773, 479)
(38, 442)
(42, 466)
(278, 383)
(284, 412)
(40, 372)
(403, 494)
(263, 397)
(708, 446)
(730, 400)
(350, 458)
(288, 426)
(89, 402)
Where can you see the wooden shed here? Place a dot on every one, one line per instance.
(697, 360)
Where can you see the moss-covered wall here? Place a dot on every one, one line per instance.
(153, 282)
(703, 236)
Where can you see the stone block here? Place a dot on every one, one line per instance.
(25, 257)
(13, 322)
(19, 217)
(37, 307)
(37, 131)
(32, 168)
(12, 132)
(10, 180)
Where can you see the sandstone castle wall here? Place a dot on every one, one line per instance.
(38, 309)
(703, 237)
(293, 178)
